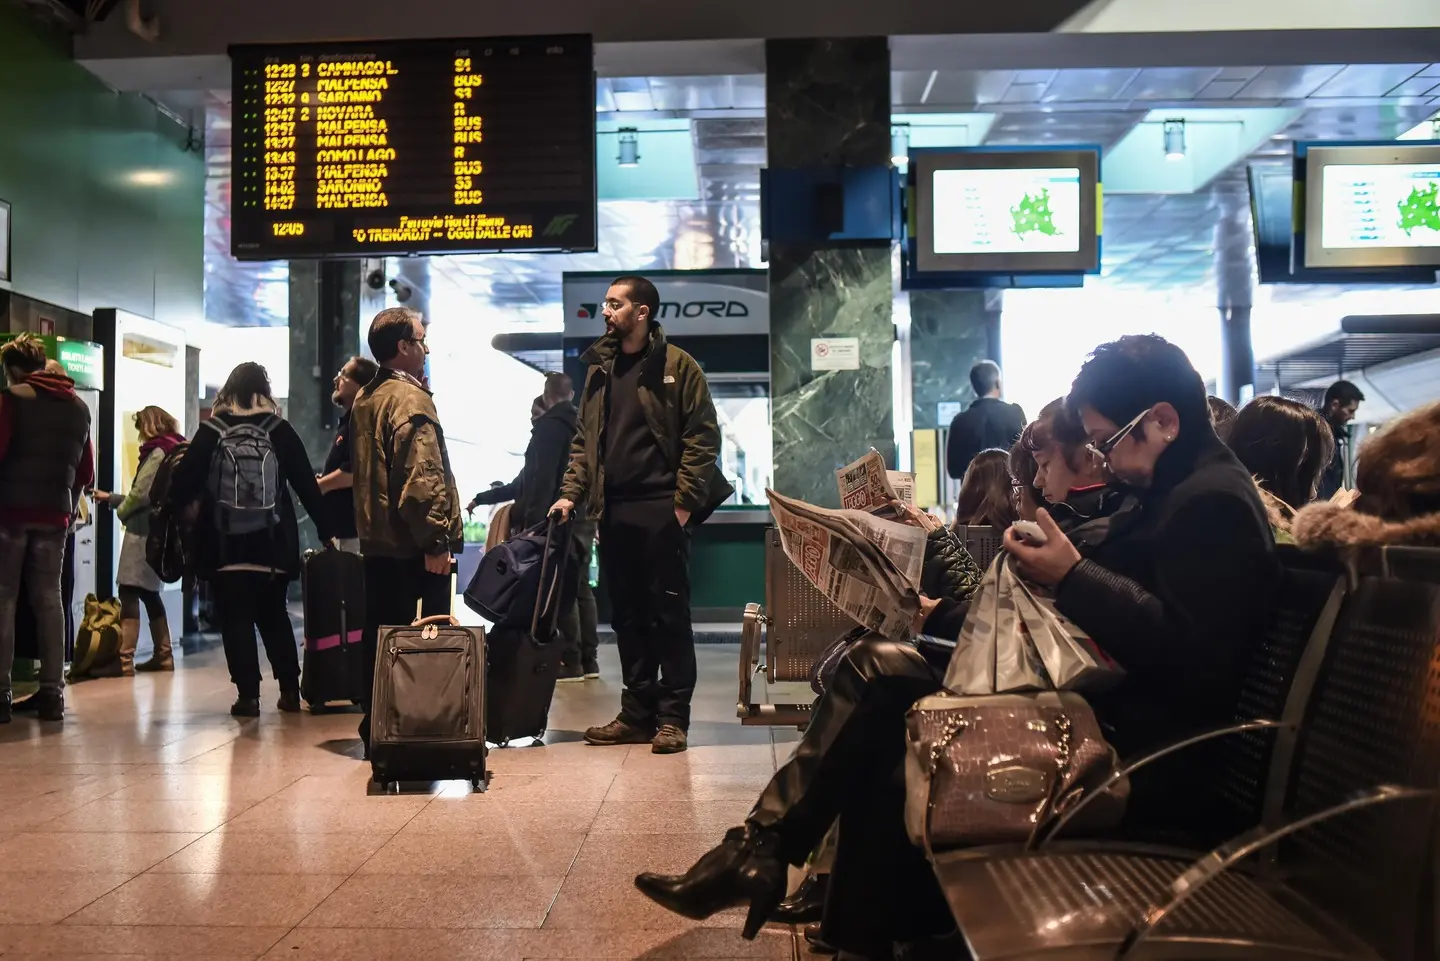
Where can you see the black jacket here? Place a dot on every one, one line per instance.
(546, 457)
(1177, 592)
(1333, 479)
(990, 422)
(279, 548)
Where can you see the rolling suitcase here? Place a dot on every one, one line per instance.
(525, 663)
(333, 586)
(427, 712)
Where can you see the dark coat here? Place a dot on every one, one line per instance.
(1177, 592)
(681, 415)
(989, 422)
(278, 548)
(546, 457)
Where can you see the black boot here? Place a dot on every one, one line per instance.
(746, 869)
(807, 903)
(245, 707)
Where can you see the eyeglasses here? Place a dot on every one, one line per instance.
(419, 342)
(613, 306)
(1104, 447)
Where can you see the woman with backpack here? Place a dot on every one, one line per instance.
(242, 466)
(139, 584)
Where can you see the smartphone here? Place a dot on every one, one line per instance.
(1029, 532)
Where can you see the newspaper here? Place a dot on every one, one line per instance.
(867, 486)
(867, 566)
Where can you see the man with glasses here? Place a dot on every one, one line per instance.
(337, 480)
(643, 463)
(398, 450)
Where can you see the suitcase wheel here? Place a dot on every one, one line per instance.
(540, 738)
(503, 742)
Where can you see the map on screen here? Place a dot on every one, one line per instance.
(1380, 205)
(1007, 211)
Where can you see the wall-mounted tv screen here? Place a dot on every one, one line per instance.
(1372, 206)
(989, 210)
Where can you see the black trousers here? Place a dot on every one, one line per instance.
(645, 562)
(850, 766)
(246, 601)
(393, 588)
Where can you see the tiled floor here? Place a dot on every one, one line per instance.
(155, 825)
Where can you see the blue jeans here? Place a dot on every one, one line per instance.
(36, 554)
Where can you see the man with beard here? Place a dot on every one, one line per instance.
(1342, 400)
(337, 483)
(643, 463)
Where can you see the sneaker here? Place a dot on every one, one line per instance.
(668, 740)
(5, 708)
(289, 702)
(245, 707)
(570, 673)
(617, 731)
(50, 705)
(591, 667)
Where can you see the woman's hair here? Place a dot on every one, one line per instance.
(1222, 414)
(1398, 472)
(1057, 424)
(152, 422)
(558, 387)
(1126, 377)
(985, 496)
(1023, 470)
(1285, 445)
(247, 385)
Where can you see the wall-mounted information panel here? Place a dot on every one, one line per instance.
(413, 146)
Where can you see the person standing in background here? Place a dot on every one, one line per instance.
(407, 507)
(242, 466)
(159, 435)
(644, 464)
(534, 490)
(46, 463)
(987, 423)
(1342, 401)
(337, 482)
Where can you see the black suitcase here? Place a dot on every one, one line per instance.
(524, 665)
(427, 712)
(333, 586)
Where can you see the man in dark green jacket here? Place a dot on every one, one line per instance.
(644, 464)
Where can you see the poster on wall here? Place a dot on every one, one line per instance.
(692, 302)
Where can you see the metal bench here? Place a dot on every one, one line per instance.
(794, 627)
(983, 543)
(1348, 833)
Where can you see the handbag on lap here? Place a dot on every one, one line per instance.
(1009, 743)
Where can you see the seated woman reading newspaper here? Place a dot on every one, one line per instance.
(1175, 591)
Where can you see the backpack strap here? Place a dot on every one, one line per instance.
(271, 422)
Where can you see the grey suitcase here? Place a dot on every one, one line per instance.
(428, 703)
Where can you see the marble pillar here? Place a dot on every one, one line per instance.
(827, 103)
(324, 333)
(950, 330)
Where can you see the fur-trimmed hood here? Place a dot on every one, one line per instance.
(1329, 525)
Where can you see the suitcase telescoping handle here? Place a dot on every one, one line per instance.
(544, 598)
(434, 619)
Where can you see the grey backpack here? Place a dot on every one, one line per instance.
(245, 476)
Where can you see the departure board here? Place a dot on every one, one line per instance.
(395, 147)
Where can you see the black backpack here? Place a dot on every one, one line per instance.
(167, 549)
(245, 481)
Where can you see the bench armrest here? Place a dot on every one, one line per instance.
(1222, 858)
(1050, 824)
(749, 656)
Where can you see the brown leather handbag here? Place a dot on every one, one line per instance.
(987, 769)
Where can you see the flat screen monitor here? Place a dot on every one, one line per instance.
(1006, 211)
(369, 148)
(1372, 206)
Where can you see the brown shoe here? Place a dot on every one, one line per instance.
(668, 740)
(618, 731)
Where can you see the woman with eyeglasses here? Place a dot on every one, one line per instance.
(1178, 590)
(1182, 639)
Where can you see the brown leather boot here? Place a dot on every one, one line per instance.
(162, 659)
(129, 639)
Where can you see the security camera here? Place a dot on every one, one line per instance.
(375, 280)
(403, 291)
